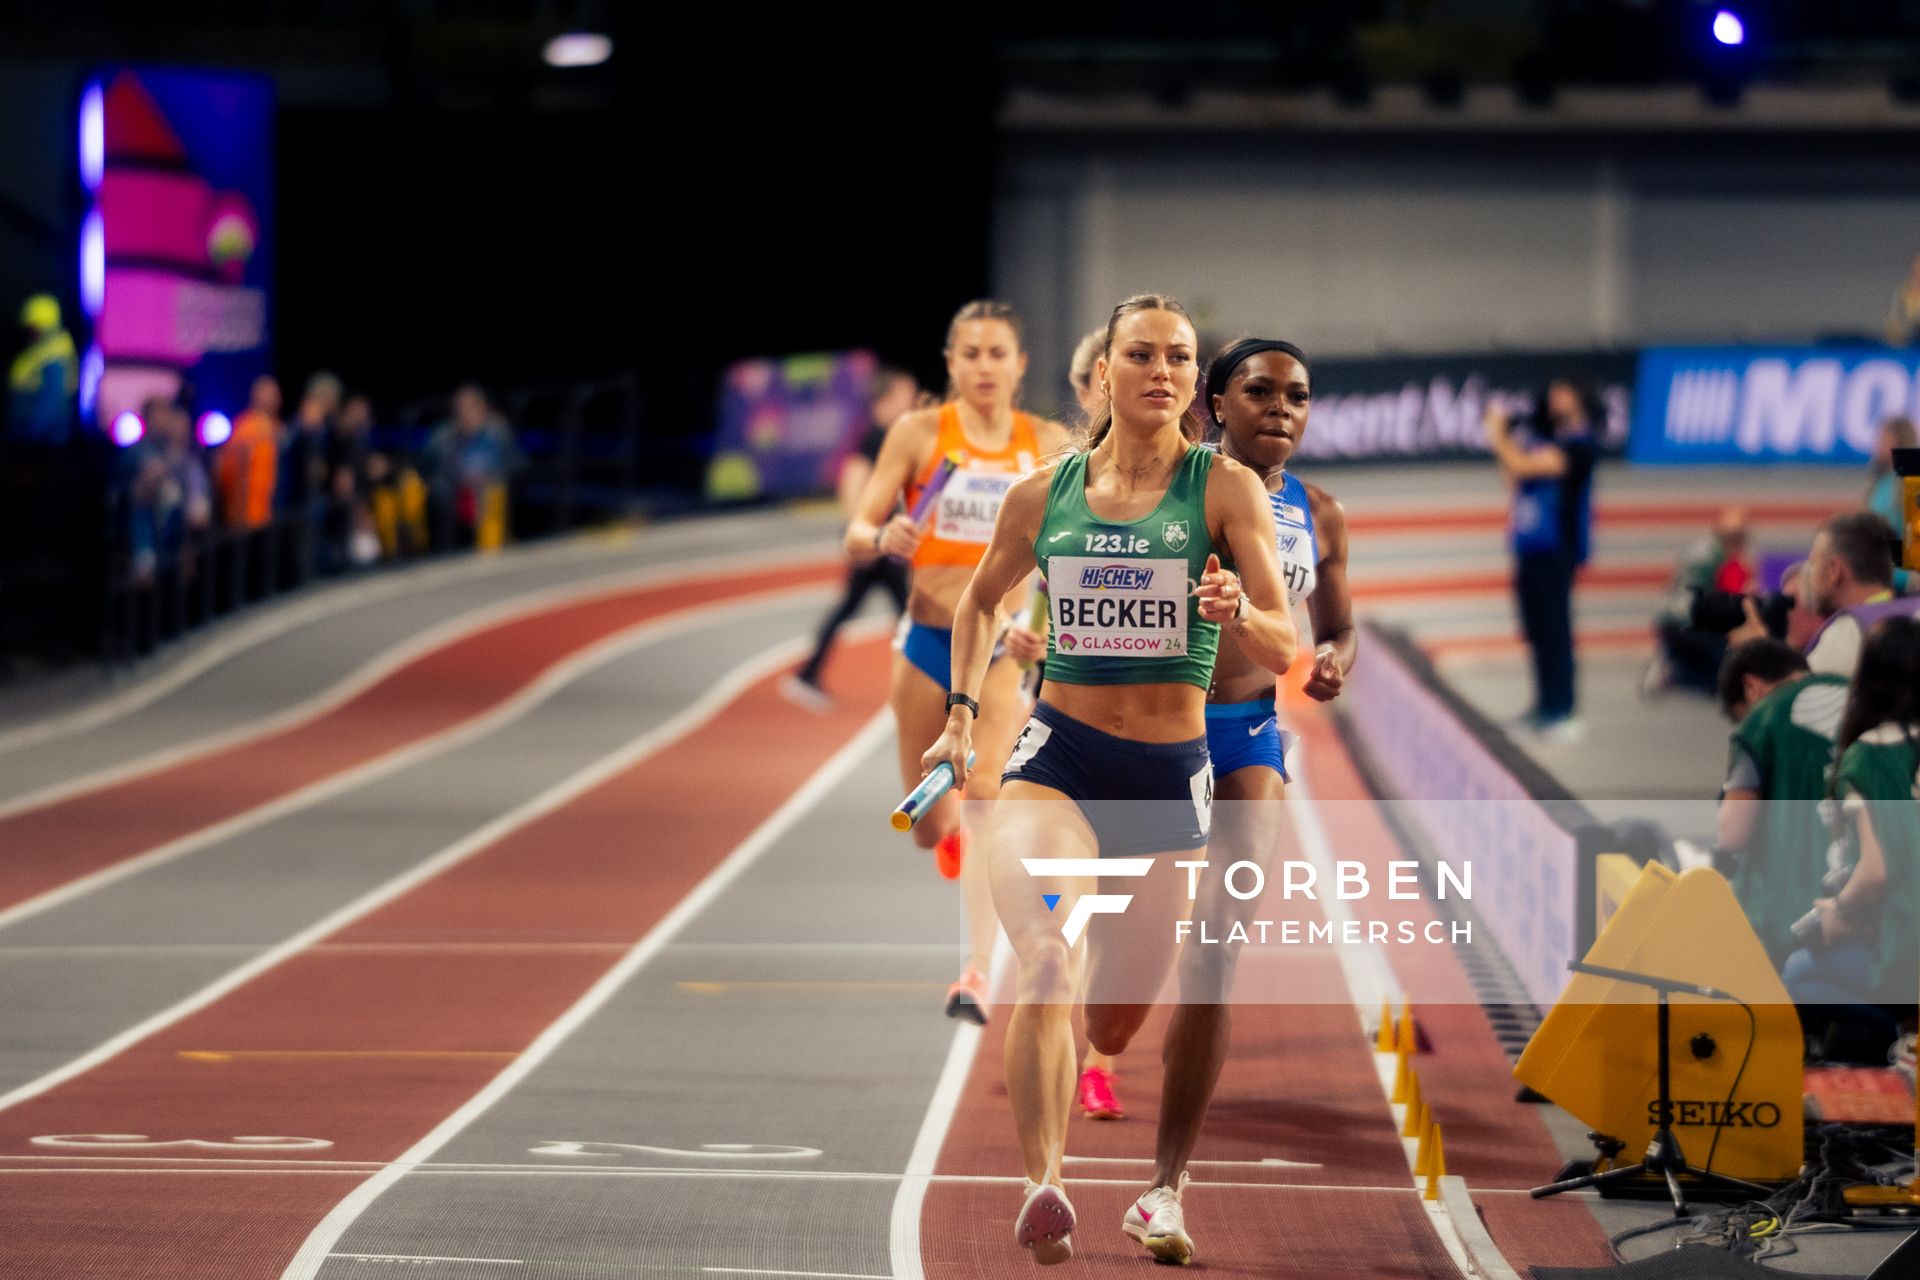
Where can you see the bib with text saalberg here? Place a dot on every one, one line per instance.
(970, 504)
(1136, 607)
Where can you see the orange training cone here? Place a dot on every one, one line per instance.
(1384, 1040)
(1410, 1127)
(1436, 1167)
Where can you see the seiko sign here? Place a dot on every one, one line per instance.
(1769, 405)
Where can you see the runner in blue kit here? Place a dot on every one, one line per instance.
(1258, 393)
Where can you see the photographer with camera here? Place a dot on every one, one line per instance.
(1549, 468)
(1862, 938)
(1849, 580)
(1846, 583)
(1781, 750)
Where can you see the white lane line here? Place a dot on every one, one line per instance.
(939, 948)
(1369, 977)
(279, 620)
(391, 660)
(422, 1257)
(691, 717)
(1271, 1162)
(549, 683)
(312, 1255)
(79, 950)
(903, 1230)
(1489, 1263)
(810, 1275)
(738, 1175)
(341, 598)
(903, 1226)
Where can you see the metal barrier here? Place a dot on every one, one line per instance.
(581, 445)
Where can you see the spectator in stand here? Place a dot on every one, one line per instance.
(351, 539)
(1687, 657)
(169, 495)
(1849, 582)
(43, 378)
(1080, 373)
(892, 394)
(1867, 945)
(303, 449)
(1787, 718)
(466, 464)
(1884, 496)
(1903, 317)
(303, 475)
(248, 464)
(1550, 469)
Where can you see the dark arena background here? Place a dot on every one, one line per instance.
(436, 836)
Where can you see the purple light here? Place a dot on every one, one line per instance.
(93, 367)
(1728, 29)
(215, 428)
(93, 136)
(127, 429)
(578, 49)
(93, 265)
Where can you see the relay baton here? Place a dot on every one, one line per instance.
(931, 494)
(926, 795)
(1036, 615)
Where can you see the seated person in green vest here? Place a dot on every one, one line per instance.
(1866, 947)
(1774, 850)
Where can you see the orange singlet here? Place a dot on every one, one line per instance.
(962, 521)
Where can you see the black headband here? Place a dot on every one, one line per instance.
(1220, 373)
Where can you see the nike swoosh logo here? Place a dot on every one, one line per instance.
(1254, 731)
(1064, 533)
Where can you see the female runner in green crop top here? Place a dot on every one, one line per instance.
(1121, 723)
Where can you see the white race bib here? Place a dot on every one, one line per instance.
(970, 504)
(1124, 608)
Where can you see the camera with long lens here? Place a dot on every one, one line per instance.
(1722, 611)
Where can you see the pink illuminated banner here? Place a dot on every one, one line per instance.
(176, 252)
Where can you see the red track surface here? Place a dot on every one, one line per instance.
(586, 873)
(1608, 578)
(1300, 1086)
(1467, 1079)
(1609, 515)
(48, 846)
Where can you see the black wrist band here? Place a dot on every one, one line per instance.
(962, 700)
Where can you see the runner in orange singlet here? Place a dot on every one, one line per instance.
(996, 444)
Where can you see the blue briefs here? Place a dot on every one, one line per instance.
(1246, 733)
(1139, 797)
(931, 650)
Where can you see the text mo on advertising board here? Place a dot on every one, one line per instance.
(1768, 404)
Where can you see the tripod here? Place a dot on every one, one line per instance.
(1663, 1156)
